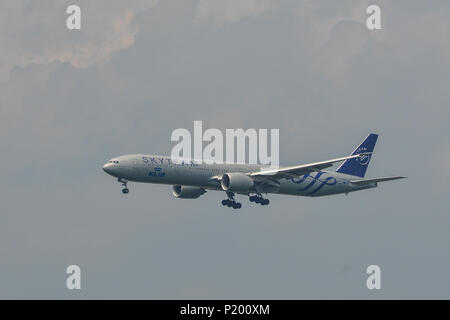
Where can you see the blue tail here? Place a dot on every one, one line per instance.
(358, 166)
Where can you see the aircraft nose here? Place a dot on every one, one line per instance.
(108, 168)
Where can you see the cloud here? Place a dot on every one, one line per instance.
(335, 34)
(39, 34)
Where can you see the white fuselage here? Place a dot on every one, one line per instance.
(164, 170)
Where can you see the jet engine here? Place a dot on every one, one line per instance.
(236, 182)
(186, 192)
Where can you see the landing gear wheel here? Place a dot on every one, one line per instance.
(231, 202)
(237, 205)
(227, 203)
(257, 198)
(124, 182)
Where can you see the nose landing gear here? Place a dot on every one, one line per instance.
(125, 190)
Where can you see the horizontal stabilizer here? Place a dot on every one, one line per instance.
(367, 181)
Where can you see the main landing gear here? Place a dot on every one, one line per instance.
(231, 202)
(125, 190)
(259, 199)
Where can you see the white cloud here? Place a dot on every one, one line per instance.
(39, 34)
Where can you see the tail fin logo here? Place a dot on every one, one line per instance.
(364, 158)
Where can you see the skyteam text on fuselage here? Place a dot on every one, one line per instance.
(191, 179)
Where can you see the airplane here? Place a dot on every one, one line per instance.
(191, 179)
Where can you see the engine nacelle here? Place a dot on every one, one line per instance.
(186, 192)
(236, 182)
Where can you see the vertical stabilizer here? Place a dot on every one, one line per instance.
(358, 166)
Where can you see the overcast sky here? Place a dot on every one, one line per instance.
(71, 100)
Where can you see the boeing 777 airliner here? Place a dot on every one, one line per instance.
(191, 179)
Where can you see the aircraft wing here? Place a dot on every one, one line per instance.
(367, 181)
(296, 171)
